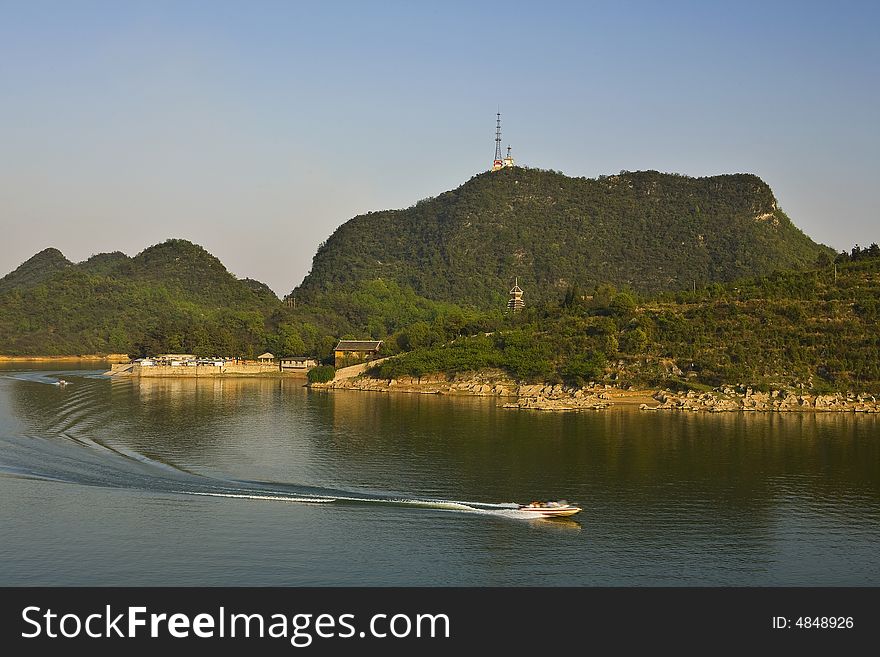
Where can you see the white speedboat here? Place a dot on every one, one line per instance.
(61, 382)
(560, 509)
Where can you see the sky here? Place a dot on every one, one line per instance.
(256, 128)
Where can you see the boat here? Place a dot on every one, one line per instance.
(61, 382)
(560, 509)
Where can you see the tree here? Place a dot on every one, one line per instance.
(633, 342)
(288, 342)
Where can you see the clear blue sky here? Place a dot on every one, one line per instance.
(256, 128)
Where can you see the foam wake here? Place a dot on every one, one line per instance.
(65, 449)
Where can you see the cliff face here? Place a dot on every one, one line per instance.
(647, 230)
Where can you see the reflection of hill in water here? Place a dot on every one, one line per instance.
(212, 420)
(714, 469)
(735, 460)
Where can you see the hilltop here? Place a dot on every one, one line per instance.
(34, 270)
(647, 231)
(173, 296)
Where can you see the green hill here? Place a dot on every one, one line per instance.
(173, 296)
(645, 230)
(420, 276)
(35, 270)
(814, 328)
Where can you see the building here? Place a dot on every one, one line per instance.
(265, 359)
(174, 360)
(356, 350)
(298, 364)
(508, 161)
(515, 303)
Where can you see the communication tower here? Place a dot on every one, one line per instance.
(498, 163)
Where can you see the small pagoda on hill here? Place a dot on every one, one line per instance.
(515, 303)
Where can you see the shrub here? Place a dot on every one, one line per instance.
(322, 374)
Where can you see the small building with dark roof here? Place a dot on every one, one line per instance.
(348, 351)
(298, 363)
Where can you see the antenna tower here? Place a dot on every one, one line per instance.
(498, 163)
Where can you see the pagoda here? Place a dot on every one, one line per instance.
(516, 303)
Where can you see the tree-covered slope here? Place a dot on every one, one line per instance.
(645, 230)
(816, 328)
(34, 270)
(171, 296)
(176, 296)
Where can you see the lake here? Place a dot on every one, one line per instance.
(264, 482)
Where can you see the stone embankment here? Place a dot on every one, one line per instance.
(560, 397)
(544, 397)
(741, 398)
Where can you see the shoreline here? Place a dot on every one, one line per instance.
(208, 375)
(109, 358)
(230, 375)
(597, 396)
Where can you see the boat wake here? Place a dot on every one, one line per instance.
(67, 449)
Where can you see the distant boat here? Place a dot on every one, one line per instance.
(560, 509)
(61, 382)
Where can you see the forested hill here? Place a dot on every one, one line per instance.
(811, 329)
(645, 230)
(171, 296)
(177, 297)
(35, 270)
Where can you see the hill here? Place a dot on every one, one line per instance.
(647, 231)
(815, 329)
(34, 270)
(173, 296)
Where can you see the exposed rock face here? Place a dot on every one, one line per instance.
(728, 399)
(561, 397)
(557, 397)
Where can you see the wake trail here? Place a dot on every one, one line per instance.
(66, 453)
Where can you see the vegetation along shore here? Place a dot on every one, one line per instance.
(593, 396)
(688, 288)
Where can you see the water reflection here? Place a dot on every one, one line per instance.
(667, 497)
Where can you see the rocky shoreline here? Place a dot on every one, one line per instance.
(742, 398)
(597, 396)
(513, 394)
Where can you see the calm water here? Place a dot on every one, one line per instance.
(216, 482)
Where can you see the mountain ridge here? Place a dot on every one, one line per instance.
(646, 230)
(35, 269)
(170, 295)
